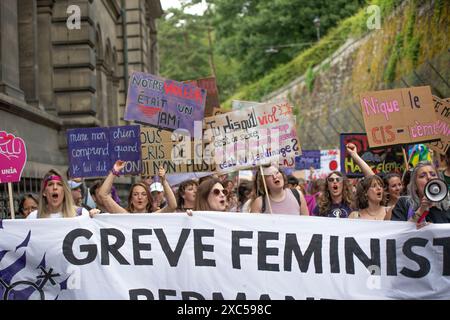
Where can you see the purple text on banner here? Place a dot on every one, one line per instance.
(93, 151)
(308, 159)
(164, 103)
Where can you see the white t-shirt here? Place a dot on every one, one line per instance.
(33, 214)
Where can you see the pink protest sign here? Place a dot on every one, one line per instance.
(13, 156)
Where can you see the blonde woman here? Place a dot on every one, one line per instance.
(55, 199)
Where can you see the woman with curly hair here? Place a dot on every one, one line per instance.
(369, 199)
(337, 198)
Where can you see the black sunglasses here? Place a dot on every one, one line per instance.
(331, 179)
(216, 192)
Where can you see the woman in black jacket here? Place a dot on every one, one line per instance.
(416, 204)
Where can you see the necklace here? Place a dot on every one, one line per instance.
(377, 215)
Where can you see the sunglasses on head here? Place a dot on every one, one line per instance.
(216, 192)
(337, 179)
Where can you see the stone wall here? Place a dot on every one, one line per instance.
(327, 98)
(53, 78)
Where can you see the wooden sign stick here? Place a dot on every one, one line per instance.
(11, 200)
(406, 159)
(265, 189)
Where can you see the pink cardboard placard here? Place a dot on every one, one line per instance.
(13, 156)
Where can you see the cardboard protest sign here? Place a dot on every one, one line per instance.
(13, 156)
(442, 109)
(381, 160)
(93, 151)
(212, 93)
(253, 136)
(402, 116)
(308, 159)
(217, 111)
(164, 103)
(173, 151)
(239, 105)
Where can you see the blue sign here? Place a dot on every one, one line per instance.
(93, 151)
(308, 159)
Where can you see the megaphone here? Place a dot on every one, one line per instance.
(436, 190)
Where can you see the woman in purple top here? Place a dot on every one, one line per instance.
(337, 199)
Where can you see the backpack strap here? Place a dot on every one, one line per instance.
(263, 208)
(297, 196)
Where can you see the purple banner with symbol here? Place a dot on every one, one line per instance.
(93, 151)
(163, 103)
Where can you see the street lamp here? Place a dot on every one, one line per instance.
(317, 24)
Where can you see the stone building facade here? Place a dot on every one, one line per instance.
(55, 74)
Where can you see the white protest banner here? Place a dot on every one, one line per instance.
(254, 136)
(214, 255)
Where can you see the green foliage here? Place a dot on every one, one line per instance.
(389, 75)
(309, 79)
(247, 28)
(413, 50)
(183, 46)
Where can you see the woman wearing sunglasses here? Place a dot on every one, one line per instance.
(211, 196)
(369, 199)
(55, 199)
(282, 200)
(337, 199)
(416, 204)
(139, 198)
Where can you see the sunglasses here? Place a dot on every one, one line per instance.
(216, 192)
(338, 179)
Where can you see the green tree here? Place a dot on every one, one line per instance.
(183, 46)
(245, 29)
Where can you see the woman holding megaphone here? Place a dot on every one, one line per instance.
(427, 200)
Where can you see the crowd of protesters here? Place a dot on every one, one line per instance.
(389, 197)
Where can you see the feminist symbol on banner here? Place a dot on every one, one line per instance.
(13, 156)
(26, 289)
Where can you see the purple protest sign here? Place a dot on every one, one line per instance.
(308, 159)
(164, 103)
(13, 156)
(93, 151)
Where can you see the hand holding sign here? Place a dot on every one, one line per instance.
(13, 156)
